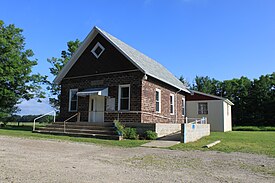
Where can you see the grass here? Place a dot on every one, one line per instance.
(254, 128)
(256, 142)
(26, 132)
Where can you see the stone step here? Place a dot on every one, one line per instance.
(89, 135)
(90, 131)
(86, 123)
(81, 129)
(91, 127)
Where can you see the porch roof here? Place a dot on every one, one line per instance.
(93, 91)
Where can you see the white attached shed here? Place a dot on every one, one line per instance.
(216, 109)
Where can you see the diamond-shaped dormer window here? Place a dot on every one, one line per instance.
(98, 50)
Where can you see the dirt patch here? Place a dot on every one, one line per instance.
(26, 160)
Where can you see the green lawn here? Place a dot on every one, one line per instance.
(26, 132)
(256, 142)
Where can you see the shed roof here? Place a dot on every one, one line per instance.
(145, 64)
(214, 96)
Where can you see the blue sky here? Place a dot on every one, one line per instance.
(223, 39)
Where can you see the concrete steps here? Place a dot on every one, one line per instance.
(81, 129)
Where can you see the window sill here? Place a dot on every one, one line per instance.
(124, 110)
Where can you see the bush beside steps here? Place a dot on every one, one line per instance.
(131, 133)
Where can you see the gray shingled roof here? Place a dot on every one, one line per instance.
(144, 63)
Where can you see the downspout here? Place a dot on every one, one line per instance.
(177, 105)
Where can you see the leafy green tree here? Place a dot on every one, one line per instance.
(263, 104)
(16, 81)
(238, 91)
(57, 64)
(207, 85)
(184, 81)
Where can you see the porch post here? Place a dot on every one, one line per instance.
(78, 117)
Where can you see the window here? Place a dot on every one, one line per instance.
(73, 100)
(158, 101)
(202, 108)
(98, 50)
(124, 97)
(183, 106)
(172, 104)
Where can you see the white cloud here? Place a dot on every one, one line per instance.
(34, 107)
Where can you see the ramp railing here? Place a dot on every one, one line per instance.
(34, 121)
(202, 120)
(76, 114)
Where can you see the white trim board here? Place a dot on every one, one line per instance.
(119, 97)
(70, 101)
(172, 104)
(159, 91)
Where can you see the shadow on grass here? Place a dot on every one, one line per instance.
(17, 128)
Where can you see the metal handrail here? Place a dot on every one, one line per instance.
(68, 120)
(54, 114)
(202, 120)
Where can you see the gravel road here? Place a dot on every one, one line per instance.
(28, 160)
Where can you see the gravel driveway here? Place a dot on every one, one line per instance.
(27, 160)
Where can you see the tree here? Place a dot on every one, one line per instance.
(184, 81)
(57, 65)
(16, 81)
(207, 85)
(263, 94)
(239, 92)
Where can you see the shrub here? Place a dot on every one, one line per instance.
(246, 128)
(119, 128)
(3, 124)
(130, 133)
(253, 128)
(268, 128)
(150, 135)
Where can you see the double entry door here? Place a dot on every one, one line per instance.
(96, 108)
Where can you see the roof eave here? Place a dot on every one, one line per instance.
(75, 56)
(180, 88)
(217, 97)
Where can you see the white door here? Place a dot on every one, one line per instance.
(96, 108)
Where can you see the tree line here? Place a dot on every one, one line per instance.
(254, 99)
(28, 118)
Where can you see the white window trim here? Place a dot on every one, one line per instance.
(173, 104)
(202, 111)
(183, 103)
(159, 91)
(95, 47)
(119, 96)
(70, 97)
